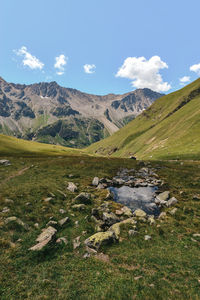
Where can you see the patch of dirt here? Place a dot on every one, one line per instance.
(18, 173)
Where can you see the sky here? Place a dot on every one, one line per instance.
(101, 46)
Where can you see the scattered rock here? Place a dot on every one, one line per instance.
(140, 213)
(5, 210)
(62, 240)
(44, 238)
(5, 162)
(62, 211)
(52, 223)
(147, 237)
(95, 181)
(84, 198)
(47, 200)
(127, 211)
(132, 232)
(72, 187)
(9, 201)
(17, 221)
(162, 197)
(110, 218)
(100, 238)
(162, 215)
(173, 211)
(79, 207)
(76, 242)
(172, 201)
(63, 221)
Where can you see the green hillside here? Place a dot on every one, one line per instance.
(13, 146)
(168, 129)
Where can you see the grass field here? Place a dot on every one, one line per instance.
(169, 128)
(166, 267)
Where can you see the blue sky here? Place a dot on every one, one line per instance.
(101, 46)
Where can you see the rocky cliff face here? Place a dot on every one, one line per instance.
(50, 113)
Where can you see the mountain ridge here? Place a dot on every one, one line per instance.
(26, 109)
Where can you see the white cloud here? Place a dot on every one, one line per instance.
(28, 59)
(195, 68)
(144, 73)
(89, 69)
(61, 61)
(183, 80)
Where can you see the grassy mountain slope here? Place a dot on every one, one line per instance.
(169, 128)
(13, 146)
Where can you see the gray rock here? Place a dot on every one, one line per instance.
(147, 237)
(76, 242)
(17, 221)
(172, 201)
(84, 198)
(9, 201)
(162, 197)
(140, 213)
(110, 218)
(62, 240)
(72, 187)
(5, 162)
(95, 181)
(132, 232)
(44, 238)
(79, 207)
(63, 221)
(173, 211)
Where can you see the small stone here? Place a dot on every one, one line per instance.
(36, 225)
(162, 197)
(119, 212)
(17, 221)
(44, 238)
(173, 211)
(101, 186)
(86, 255)
(110, 218)
(172, 201)
(52, 223)
(196, 235)
(151, 220)
(5, 162)
(127, 212)
(76, 223)
(76, 242)
(132, 232)
(95, 181)
(9, 201)
(47, 200)
(79, 207)
(137, 278)
(72, 187)
(140, 213)
(28, 203)
(62, 211)
(63, 221)
(84, 198)
(162, 215)
(147, 237)
(5, 210)
(62, 240)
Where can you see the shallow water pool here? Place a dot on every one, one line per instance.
(134, 198)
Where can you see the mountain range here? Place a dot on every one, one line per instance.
(49, 113)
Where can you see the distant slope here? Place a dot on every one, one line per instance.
(12, 146)
(169, 128)
(66, 116)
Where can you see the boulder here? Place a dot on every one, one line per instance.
(84, 198)
(72, 187)
(172, 201)
(44, 238)
(100, 238)
(140, 213)
(95, 181)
